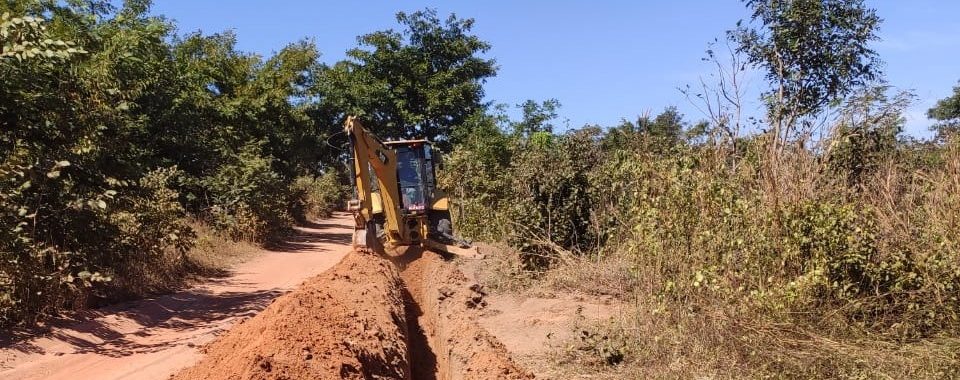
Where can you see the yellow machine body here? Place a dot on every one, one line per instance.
(397, 202)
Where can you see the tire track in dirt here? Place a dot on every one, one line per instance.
(156, 337)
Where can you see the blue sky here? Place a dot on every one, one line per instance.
(602, 60)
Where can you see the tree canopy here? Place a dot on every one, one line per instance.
(947, 113)
(813, 52)
(420, 82)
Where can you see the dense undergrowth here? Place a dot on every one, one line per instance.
(741, 255)
(816, 241)
(119, 140)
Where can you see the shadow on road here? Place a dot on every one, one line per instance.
(175, 315)
(182, 311)
(310, 234)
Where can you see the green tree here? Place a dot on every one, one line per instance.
(813, 53)
(549, 188)
(233, 109)
(866, 132)
(660, 133)
(947, 114)
(112, 130)
(537, 117)
(477, 174)
(421, 82)
(79, 190)
(666, 129)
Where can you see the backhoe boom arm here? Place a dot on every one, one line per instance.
(370, 153)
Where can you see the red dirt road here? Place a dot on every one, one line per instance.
(156, 337)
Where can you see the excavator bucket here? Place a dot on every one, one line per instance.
(468, 252)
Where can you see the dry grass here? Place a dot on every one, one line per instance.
(711, 340)
(501, 269)
(602, 275)
(796, 266)
(211, 256)
(595, 276)
(214, 253)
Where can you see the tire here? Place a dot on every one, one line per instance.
(444, 227)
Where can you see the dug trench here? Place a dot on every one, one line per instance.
(409, 317)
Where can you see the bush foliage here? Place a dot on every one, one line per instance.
(705, 226)
(115, 131)
(319, 196)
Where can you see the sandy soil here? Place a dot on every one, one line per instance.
(346, 323)
(534, 329)
(531, 326)
(366, 318)
(417, 317)
(154, 338)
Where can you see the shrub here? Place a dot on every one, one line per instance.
(798, 244)
(250, 200)
(551, 205)
(318, 196)
(129, 237)
(476, 176)
(804, 274)
(95, 102)
(153, 237)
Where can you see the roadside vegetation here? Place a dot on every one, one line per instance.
(133, 157)
(816, 242)
(813, 239)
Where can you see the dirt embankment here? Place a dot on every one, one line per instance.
(447, 305)
(365, 319)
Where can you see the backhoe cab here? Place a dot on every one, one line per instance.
(397, 203)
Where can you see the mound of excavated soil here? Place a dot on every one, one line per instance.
(447, 311)
(348, 322)
(360, 320)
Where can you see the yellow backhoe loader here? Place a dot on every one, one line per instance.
(397, 202)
